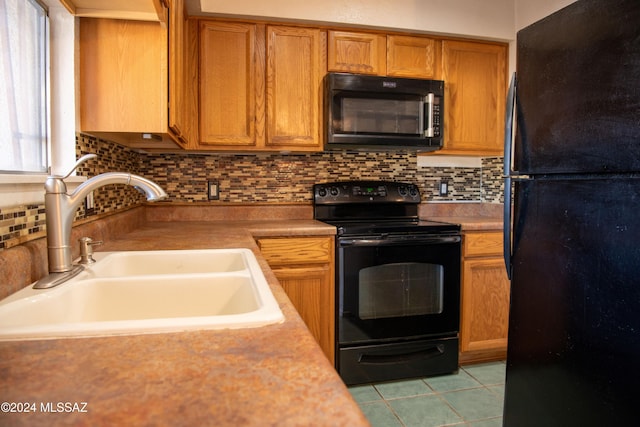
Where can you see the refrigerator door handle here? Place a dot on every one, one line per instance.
(508, 126)
(508, 148)
(506, 235)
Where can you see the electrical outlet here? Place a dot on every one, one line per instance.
(214, 193)
(444, 188)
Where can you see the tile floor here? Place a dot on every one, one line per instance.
(471, 398)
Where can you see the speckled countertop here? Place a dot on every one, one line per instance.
(273, 375)
(473, 223)
(470, 216)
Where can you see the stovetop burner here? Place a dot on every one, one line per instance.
(370, 207)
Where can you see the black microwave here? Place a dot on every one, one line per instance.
(383, 113)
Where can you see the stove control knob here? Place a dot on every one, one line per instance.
(334, 191)
(322, 192)
(402, 190)
(413, 191)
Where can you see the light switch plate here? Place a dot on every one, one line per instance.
(214, 193)
(444, 188)
(89, 205)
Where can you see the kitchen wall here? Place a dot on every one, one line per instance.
(527, 12)
(491, 19)
(263, 178)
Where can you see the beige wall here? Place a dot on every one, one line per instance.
(529, 11)
(491, 19)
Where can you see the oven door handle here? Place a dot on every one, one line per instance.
(376, 359)
(395, 241)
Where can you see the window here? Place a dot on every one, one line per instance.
(24, 92)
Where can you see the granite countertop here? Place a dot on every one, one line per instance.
(273, 375)
(468, 223)
(470, 216)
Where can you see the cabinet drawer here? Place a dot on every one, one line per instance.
(297, 250)
(482, 243)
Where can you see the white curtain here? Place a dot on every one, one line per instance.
(23, 86)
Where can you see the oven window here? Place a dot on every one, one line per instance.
(380, 116)
(400, 290)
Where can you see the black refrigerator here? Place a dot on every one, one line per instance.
(572, 236)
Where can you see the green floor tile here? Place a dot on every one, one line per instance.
(364, 393)
(379, 415)
(488, 373)
(475, 404)
(498, 389)
(395, 389)
(459, 381)
(472, 397)
(493, 422)
(424, 411)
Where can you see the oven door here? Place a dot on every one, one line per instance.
(393, 289)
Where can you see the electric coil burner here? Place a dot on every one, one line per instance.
(397, 279)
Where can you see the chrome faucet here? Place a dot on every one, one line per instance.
(60, 208)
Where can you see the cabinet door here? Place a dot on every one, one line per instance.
(311, 291)
(294, 80)
(409, 56)
(475, 90)
(352, 52)
(177, 72)
(123, 76)
(304, 267)
(485, 308)
(231, 84)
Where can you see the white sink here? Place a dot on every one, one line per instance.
(141, 263)
(146, 292)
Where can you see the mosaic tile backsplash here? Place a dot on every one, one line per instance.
(265, 178)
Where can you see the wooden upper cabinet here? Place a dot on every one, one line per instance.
(409, 56)
(381, 54)
(352, 52)
(132, 80)
(260, 87)
(475, 89)
(231, 84)
(123, 76)
(178, 73)
(295, 68)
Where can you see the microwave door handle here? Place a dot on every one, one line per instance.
(429, 100)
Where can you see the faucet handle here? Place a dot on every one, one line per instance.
(80, 161)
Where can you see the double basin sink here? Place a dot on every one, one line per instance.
(138, 292)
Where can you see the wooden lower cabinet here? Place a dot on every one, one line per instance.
(485, 298)
(304, 267)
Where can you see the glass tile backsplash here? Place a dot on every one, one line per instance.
(265, 178)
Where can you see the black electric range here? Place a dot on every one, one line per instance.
(397, 282)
